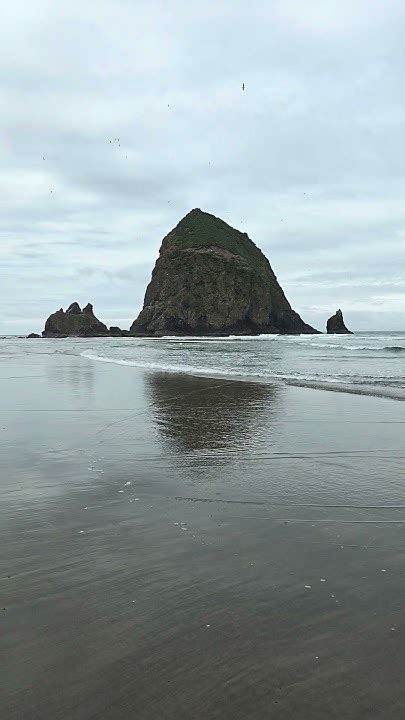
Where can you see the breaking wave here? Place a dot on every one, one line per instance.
(357, 348)
(383, 386)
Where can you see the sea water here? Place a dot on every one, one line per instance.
(365, 363)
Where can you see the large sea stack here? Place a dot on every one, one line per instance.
(74, 322)
(336, 325)
(211, 279)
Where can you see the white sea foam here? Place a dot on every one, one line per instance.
(212, 371)
(156, 366)
(219, 338)
(339, 346)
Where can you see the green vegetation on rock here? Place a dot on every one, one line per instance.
(199, 229)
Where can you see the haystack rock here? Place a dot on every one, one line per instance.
(336, 325)
(74, 322)
(211, 279)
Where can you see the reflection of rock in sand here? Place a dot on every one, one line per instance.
(209, 414)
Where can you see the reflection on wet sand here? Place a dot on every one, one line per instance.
(126, 594)
(210, 415)
(73, 374)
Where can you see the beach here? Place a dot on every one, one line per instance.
(177, 546)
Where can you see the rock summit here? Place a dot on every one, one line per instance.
(336, 325)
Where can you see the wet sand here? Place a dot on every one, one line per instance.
(178, 547)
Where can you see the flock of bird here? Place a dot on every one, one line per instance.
(117, 140)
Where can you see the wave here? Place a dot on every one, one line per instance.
(199, 370)
(380, 386)
(375, 348)
(184, 369)
(215, 339)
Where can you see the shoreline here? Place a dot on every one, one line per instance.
(361, 390)
(335, 367)
(282, 360)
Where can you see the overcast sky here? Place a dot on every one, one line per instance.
(309, 160)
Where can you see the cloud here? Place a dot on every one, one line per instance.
(309, 160)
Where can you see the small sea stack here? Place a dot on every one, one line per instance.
(115, 331)
(74, 322)
(336, 325)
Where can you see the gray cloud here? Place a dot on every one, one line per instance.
(309, 160)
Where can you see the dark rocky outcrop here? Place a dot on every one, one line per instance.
(211, 279)
(74, 322)
(336, 325)
(33, 335)
(115, 331)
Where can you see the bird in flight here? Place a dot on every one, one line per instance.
(243, 86)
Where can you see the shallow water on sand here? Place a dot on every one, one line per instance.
(178, 546)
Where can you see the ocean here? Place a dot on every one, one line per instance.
(371, 363)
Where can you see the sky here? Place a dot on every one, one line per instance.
(308, 159)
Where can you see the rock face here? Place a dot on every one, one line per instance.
(336, 325)
(74, 322)
(211, 279)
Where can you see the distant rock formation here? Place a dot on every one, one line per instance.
(74, 322)
(336, 325)
(115, 331)
(33, 335)
(211, 279)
